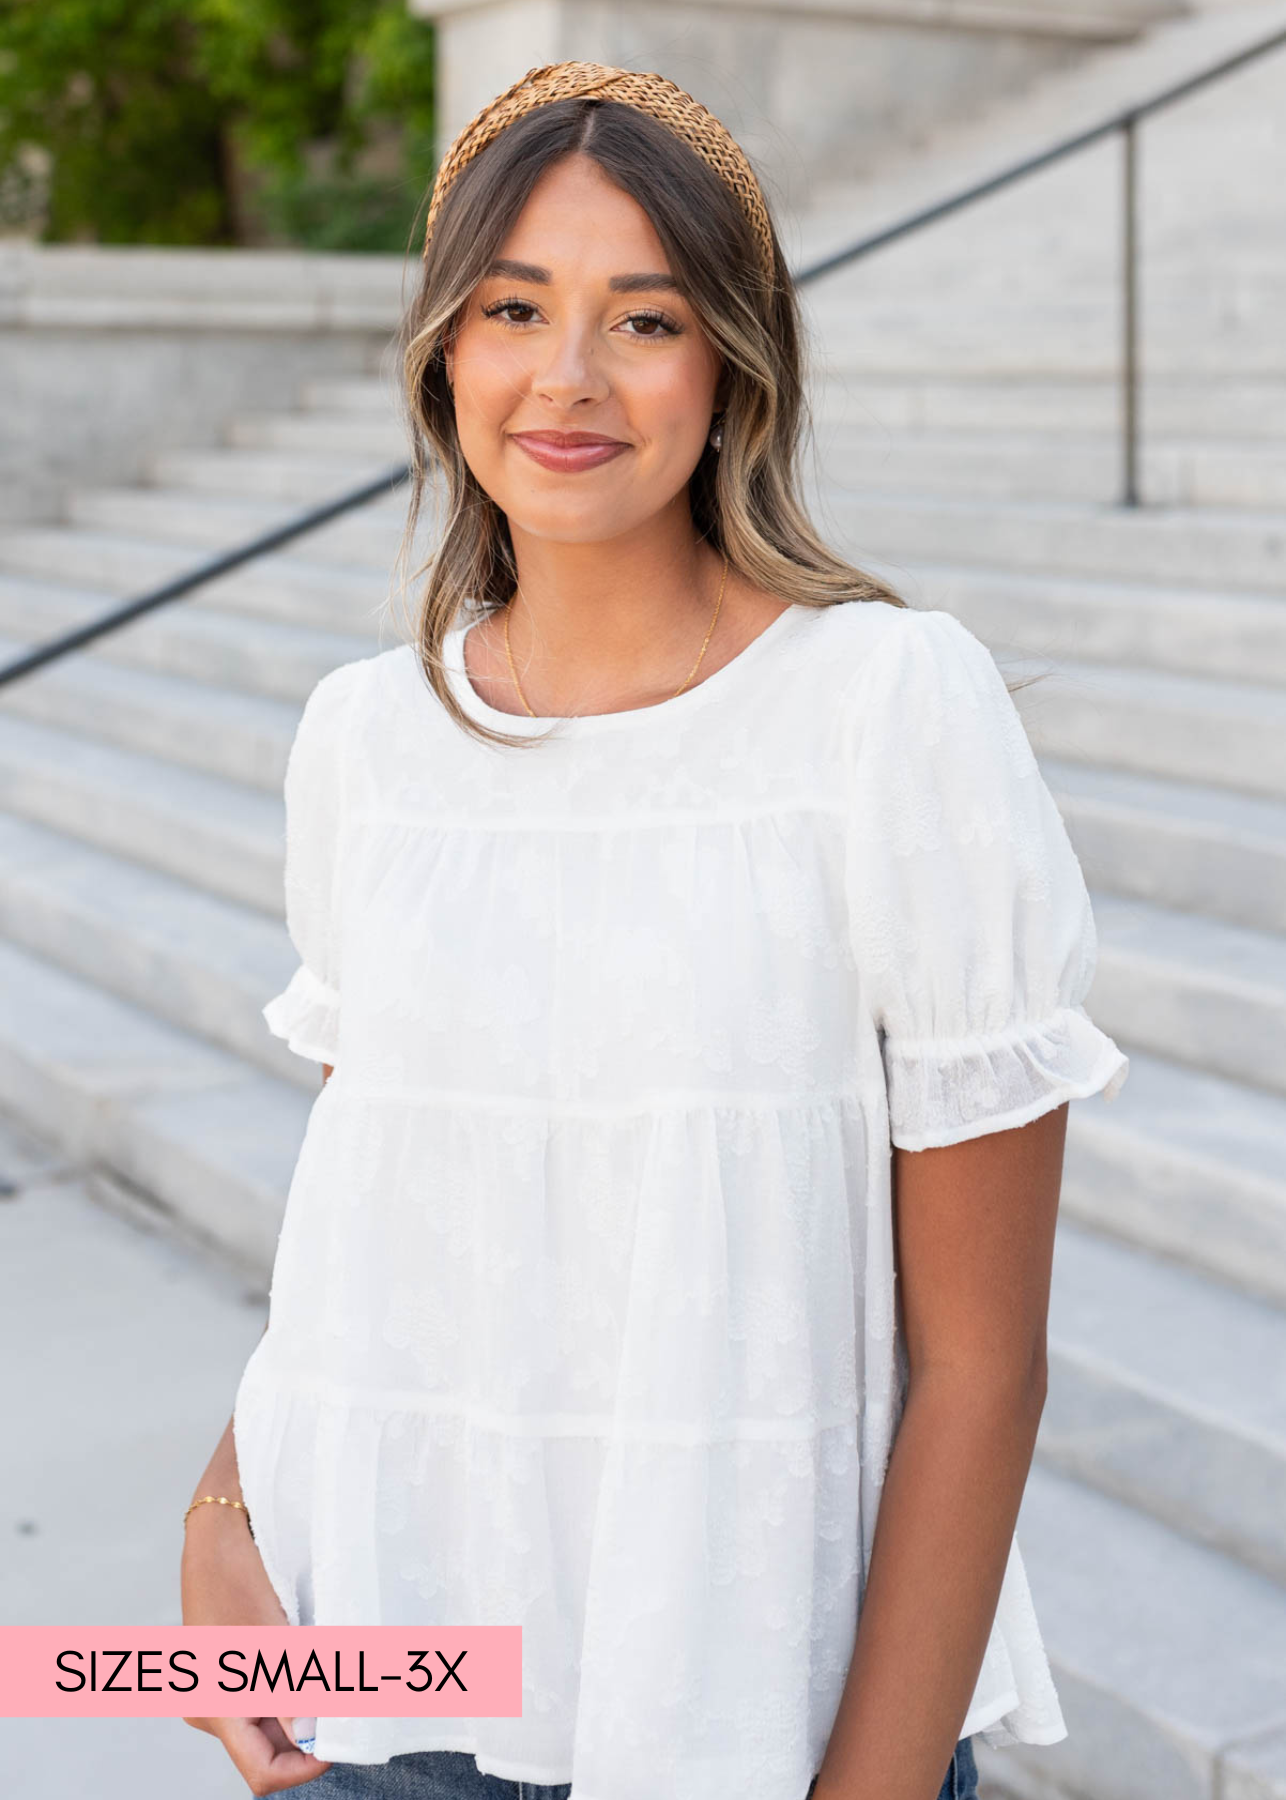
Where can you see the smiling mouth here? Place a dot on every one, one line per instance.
(570, 451)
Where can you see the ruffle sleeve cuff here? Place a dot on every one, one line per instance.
(944, 1090)
(306, 1014)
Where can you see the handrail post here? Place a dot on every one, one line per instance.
(1130, 310)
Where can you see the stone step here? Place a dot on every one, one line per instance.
(1032, 276)
(287, 585)
(373, 395)
(1149, 1398)
(1207, 994)
(1180, 727)
(1036, 285)
(1211, 548)
(1239, 637)
(1185, 1165)
(1044, 405)
(186, 638)
(1035, 268)
(198, 961)
(1039, 337)
(1034, 264)
(328, 434)
(203, 1141)
(217, 835)
(1229, 473)
(272, 475)
(1070, 466)
(240, 737)
(1194, 848)
(1167, 1656)
(369, 535)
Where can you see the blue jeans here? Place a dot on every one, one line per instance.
(454, 1775)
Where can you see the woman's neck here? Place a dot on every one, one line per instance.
(606, 626)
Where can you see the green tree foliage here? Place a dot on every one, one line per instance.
(216, 121)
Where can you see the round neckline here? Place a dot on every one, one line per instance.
(582, 724)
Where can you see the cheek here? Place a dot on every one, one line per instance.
(488, 384)
(671, 405)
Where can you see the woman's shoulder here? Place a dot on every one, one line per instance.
(910, 688)
(867, 627)
(871, 655)
(332, 691)
(929, 704)
(339, 701)
(363, 682)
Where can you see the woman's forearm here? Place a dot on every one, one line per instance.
(947, 1515)
(221, 1475)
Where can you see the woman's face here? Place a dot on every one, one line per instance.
(575, 330)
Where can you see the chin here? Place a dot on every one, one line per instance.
(581, 521)
(568, 531)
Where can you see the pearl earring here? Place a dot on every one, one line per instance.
(716, 436)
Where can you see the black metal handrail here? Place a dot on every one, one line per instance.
(202, 573)
(1126, 122)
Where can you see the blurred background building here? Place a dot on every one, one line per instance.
(1057, 410)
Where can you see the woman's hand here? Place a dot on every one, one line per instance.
(224, 1583)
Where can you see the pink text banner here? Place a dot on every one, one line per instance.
(235, 1671)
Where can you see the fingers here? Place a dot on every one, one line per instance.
(266, 1758)
(303, 1731)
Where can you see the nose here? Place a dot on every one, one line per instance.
(569, 370)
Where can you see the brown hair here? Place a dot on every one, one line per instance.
(745, 497)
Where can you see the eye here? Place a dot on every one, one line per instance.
(668, 328)
(502, 306)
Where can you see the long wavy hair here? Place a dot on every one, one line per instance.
(744, 497)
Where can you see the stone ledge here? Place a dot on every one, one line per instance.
(104, 288)
(1105, 20)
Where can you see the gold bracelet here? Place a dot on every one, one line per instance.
(222, 1500)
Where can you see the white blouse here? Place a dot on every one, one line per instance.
(583, 1314)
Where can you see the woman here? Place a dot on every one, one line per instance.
(693, 950)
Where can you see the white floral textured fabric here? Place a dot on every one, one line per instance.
(583, 1313)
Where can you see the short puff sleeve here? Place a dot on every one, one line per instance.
(306, 1013)
(972, 923)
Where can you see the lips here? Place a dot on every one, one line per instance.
(564, 439)
(569, 451)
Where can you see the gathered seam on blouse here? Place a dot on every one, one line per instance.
(646, 1105)
(637, 819)
(608, 1428)
(967, 1042)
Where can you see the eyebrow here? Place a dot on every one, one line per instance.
(643, 282)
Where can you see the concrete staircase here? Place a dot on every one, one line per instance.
(141, 817)
(965, 412)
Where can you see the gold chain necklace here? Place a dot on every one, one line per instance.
(678, 690)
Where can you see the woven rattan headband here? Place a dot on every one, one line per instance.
(653, 94)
